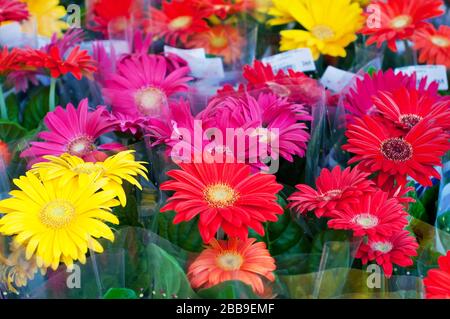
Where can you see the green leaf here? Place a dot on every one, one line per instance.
(167, 278)
(36, 108)
(185, 235)
(12, 104)
(11, 131)
(120, 293)
(228, 290)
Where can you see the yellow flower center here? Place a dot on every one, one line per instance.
(87, 168)
(322, 32)
(401, 21)
(440, 41)
(220, 195)
(219, 42)
(150, 100)
(230, 260)
(180, 23)
(80, 146)
(366, 220)
(57, 214)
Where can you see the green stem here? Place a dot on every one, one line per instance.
(3, 109)
(52, 96)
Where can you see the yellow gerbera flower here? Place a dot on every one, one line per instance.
(68, 168)
(48, 15)
(330, 26)
(281, 11)
(58, 224)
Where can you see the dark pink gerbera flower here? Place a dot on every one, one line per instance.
(142, 86)
(13, 10)
(336, 189)
(73, 131)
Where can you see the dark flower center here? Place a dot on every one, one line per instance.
(396, 149)
(410, 120)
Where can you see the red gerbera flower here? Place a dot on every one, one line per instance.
(13, 10)
(378, 149)
(396, 249)
(434, 45)
(400, 19)
(10, 60)
(407, 107)
(373, 214)
(233, 259)
(177, 20)
(224, 8)
(437, 282)
(295, 85)
(224, 195)
(336, 189)
(78, 62)
(106, 11)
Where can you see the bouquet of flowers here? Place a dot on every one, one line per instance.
(227, 149)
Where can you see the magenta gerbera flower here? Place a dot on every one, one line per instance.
(142, 86)
(73, 131)
(359, 99)
(373, 214)
(271, 117)
(396, 249)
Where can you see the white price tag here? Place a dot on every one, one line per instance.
(433, 73)
(201, 66)
(297, 60)
(186, 54)
(336, 79)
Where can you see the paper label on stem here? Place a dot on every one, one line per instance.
(297, 60)
(433, 73)
(336, 79)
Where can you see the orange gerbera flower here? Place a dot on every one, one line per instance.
(222, 40)
(233, 259)
(5, 155)
(399, 19)
(434, 45)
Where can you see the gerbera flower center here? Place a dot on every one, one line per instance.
(410, 120)
(150, 100)
(229, 260)
(218, 42)
(440, 41)
(401, 21)
(322, 32)
(396, 149)
(366, 220)
(57, 214)
(382, 246)
(279, 89)
(220, 195)
(330, 195)
(179, 23)
(80, 146)
(87, 168)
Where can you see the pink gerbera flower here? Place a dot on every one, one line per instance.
(359, 101)
(72, 131)
(142, 87)
(13, 10)
(336, 189)
(373, 215)
(394, 250)
(273, 119)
